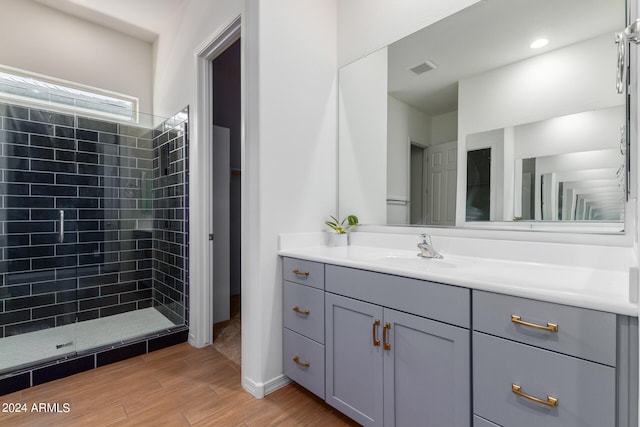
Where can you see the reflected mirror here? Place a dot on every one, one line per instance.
(474, 123)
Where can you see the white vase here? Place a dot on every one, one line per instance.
(336, 239)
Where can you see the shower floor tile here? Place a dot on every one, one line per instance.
(26, 349)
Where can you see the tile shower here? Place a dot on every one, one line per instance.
(93, 242)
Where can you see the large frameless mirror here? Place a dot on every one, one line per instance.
(505, 112)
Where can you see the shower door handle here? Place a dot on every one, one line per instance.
(61, 235)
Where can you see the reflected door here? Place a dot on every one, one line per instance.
(441, 183)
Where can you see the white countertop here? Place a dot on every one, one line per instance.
(581, 286)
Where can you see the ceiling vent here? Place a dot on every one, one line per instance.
(423, 67)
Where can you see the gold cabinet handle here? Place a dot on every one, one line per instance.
(374, 333)
(297, 361)
(300, 273)
(303, 312)
(551, 327)
(551, 401)
(386, 345)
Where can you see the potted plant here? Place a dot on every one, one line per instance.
(340, 237)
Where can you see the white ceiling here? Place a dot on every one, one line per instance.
(142, 19)
(487, 35)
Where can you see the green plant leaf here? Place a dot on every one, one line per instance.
(339, 226)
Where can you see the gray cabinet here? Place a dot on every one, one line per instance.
(304, 310)
(426, 372)
(587, 334)
(444, 303)
(354, 360)
(387, 368)
(308, 273)
(582, 393)
(481, 422)
(304, 361)
(303, 318)
(543, 364)
(388, 350)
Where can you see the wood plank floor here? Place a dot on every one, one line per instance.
(175, 386)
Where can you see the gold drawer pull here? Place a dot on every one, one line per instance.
(374, 332)
(551, 327)
(386, 345)
(551, 401)
(297, 361)
(303, 312)
(300, 273)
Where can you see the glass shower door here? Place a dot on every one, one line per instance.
(94, 232)
(38, 280)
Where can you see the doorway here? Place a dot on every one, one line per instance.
(479, 185)
(226, 196)
(417, 184)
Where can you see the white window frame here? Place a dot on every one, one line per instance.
(60, 87)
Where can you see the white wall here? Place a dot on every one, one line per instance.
(297, 144)
(363, 136)
(586, 131)
(488, 101)
(365, 26)
(405, 123)
(444, 128)
(39, 39)
(289, 144)
(194, 26)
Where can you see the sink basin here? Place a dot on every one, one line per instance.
(404, 259)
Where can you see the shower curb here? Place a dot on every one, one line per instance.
(96, 358)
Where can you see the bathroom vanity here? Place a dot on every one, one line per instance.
(391, 339)
(510, 333)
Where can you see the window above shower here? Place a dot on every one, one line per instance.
(36, 89)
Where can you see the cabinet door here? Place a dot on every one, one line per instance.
(354, 361)
(426, 373)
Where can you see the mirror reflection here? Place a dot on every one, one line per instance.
(565, 168)
(475, 122)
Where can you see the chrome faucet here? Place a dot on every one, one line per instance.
(426, 247)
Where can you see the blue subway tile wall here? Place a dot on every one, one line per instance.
(170, 218)
(115, 254)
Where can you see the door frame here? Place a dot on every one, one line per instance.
(200, 197)
(423, 209)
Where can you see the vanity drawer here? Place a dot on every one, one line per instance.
(304, 310)
(304, 272)
(304, 361)
(583, 333)
(444, 303)
(585, 391)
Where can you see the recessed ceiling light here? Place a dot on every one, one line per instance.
(537, 44)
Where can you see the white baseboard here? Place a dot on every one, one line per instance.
(260, 390)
